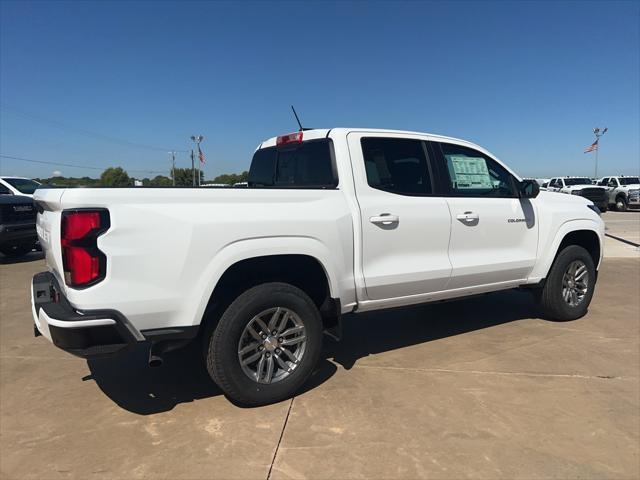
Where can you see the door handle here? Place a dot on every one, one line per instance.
(385, 219)
(468, 217)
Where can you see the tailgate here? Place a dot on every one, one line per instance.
(48, 203)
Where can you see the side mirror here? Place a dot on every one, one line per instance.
(529, 189)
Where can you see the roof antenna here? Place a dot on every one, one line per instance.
(302, 129)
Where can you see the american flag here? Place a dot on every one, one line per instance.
(592, 147)
(201, 156)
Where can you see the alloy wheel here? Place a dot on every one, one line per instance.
(575, 283)
(272, 345)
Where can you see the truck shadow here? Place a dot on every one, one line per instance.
(377, 332)
(133, 385)
(129, 382)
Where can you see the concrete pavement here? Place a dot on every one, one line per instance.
(622, 226)
(477, 388)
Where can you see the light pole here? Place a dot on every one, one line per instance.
(598, 133)
(197, 139)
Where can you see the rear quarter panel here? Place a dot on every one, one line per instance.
(167, 248)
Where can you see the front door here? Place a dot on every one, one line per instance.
(494, 233)
(405, 228)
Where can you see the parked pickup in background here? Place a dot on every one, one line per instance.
(331, 222)
(18, 186)
(17, 224)
(622, 192)
(580, 186)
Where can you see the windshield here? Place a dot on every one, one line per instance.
(577, 181)
(628, 180)
(23, 185)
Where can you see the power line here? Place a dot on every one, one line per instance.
(100, 136)
(58, 164)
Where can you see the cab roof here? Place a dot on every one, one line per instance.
(316, 133)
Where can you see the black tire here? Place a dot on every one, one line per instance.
(621, 204)
(222, 359)
(16, 250)
(551, 299)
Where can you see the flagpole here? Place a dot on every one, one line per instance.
(193, 172)
(598, 133)
(196, 139)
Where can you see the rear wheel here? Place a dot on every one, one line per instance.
(569, 286)
(265, 345)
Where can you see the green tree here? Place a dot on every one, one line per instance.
(184, 177)
(160, 181)
(115, 177)
(231, 178)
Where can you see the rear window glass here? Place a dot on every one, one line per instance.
(306, 165)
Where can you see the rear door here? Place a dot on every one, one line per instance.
(405, 227)
(494, 233)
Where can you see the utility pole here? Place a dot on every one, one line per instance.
(173, 167)
(193, 169)
(598, 133)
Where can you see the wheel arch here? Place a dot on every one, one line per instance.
(585, 233)
(621, 194)
(304, 262)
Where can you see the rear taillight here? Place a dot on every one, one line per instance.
(84, 264)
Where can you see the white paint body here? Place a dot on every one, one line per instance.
(166, 248)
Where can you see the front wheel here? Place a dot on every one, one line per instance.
(266, 344)
(621, 204)
(569, 286)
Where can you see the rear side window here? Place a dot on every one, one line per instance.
(4, 190)
(473, 174)
(305, 165)
(396, 165)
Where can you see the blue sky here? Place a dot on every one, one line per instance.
(526, 80)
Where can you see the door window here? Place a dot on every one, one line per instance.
(604, 182)
(396, 165)
(613, 183)
(473, 174)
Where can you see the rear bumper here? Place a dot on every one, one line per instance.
(93, 333)
(18, 233)
(86, 334)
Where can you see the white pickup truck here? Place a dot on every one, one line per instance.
(332, 221)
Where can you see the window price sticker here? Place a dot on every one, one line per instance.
(470, 172)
